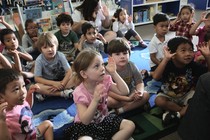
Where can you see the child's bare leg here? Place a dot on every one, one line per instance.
(166, 104)
(113, 103)
(46, 130)
(126, 130)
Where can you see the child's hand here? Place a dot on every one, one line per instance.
(98, 92)
(12, 52)
(130, 18)
(33, 88)
(34, 39)
(57, 86)
(3, 106)
(105, 11)
(203, 15)
(167, 53)
(111, 66)
(100, 36)
(204, 48)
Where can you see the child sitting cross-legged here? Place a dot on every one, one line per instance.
(15, 110)
(52, 71)
(179, 74)
(119, 50)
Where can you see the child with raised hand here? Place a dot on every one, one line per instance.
(52, 71)
(67, 38)
(124, 27)
(91, 38)
(15, 111)
(179, 74)
(159, 40)
(184, 22)
(201, 31)
(92, 118)
(16, 54)
(30, 38)
(119, 50)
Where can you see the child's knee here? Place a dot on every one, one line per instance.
(160, 101)
(128, 124)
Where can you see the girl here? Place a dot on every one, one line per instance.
(90, 97)
(52, 71)
(124, 27)
(184, 21)
(15, 110)
(30, 37)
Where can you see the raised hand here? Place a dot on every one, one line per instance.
(204, 48)
(167, 53)
(3, 106)
(111, 66)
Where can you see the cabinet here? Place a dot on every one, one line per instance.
(144, 10)
(204, 5)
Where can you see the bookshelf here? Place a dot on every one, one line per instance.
(143, 10)
(204, 5)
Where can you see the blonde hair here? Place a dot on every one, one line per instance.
(46, 39)
(83, 61)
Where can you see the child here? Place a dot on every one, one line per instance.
(184, 22)
(7, 25)
(124, 27)
(30, 38)
(4, 63)
(200, 32)
(89, 38)
(67, 39)
(15, 111)
(15, 53)
(159, 40)
(52, 71)
(179, 74)
(119, 50)
(90, 97)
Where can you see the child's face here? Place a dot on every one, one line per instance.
(95, 71)
(48, 51)
(11, 42)
(185, 15)
(15, 93)
(123, 16)
(65, 28)
(91, 35)
(32, 30)
(162, 28)
(121, 58)
(184, 55)
(207, 24)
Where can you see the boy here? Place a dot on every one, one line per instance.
(15, 111)
(52, 70)
(119, 50)
(179, 74)
(15, 53)
(159, 40)
(67, 39)
(89, 38)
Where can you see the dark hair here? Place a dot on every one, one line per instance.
(117, 13)
(87, 26)
(160, 17)
(5, 32)
(64, 18)
(7, 76)
(27, 22)
(174, 43)
(87, 8)
(207, 37)
(118, 45)
(190, 7)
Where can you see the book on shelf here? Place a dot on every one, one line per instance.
(44, 24)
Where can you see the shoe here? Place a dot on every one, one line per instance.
(40, 97)
(67, 93)
(170, 117)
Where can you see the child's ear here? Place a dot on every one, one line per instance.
(83, 74)
(2, 98)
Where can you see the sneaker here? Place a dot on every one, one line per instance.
(170, 117)
(40, 97)
(67, 93)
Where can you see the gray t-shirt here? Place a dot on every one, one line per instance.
(131, 75)
(51, 70)
(96, 45)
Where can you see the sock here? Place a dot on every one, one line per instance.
(121, 110)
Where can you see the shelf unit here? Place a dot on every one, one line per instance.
(204, 5)
(143, 10)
